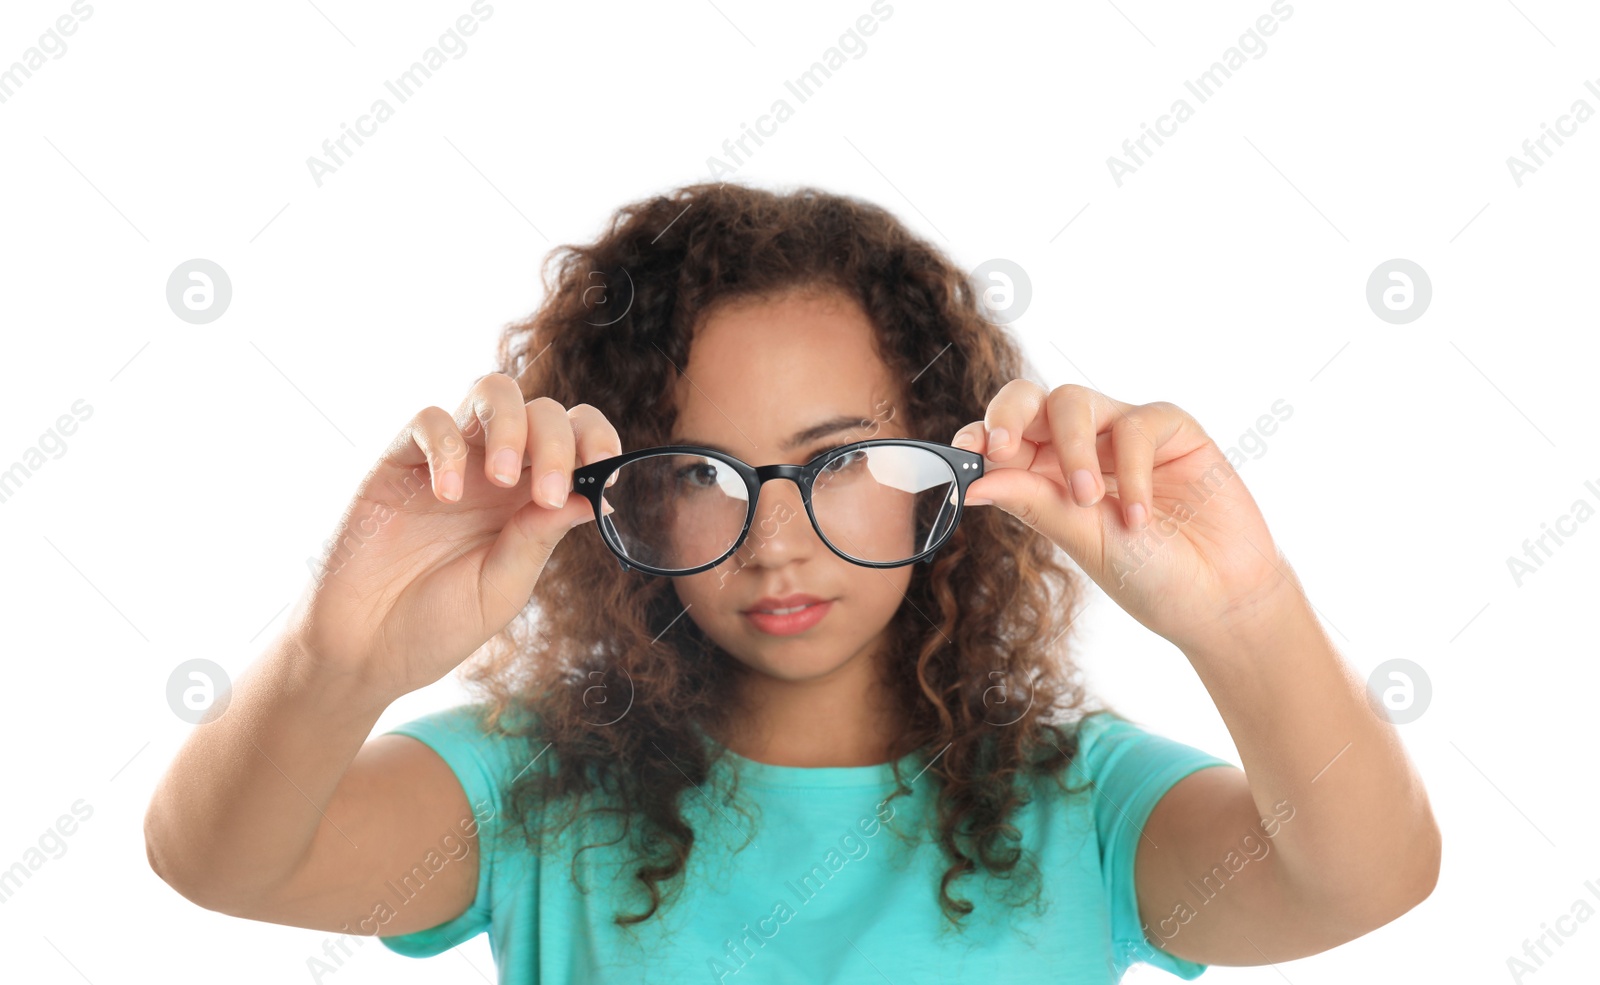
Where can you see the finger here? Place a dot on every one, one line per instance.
(1040, 502)
(969, 437)
(1008, 416)
(531, 534)
(497, 425)
(1137, 434)
(1040, 456)
(1082, 447)
(1105, 450)
(1029, 492)
(432, 438)
(552, 450)
(1070, 417)
(973, 437)
(596, 437)
(1136, 452)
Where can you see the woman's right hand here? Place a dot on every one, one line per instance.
(436, 553)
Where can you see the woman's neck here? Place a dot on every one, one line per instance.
(843, 720)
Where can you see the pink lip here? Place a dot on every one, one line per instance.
(769, 602)
(794, 622)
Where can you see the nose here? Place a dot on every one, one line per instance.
(781, 530)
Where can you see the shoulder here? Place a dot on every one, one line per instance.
(1118, 770)
(1114, 750)
(487, 756)
(1129, 768)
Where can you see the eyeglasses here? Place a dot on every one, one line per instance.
(678, 510)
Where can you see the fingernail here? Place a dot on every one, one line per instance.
(1136, 516)
(965, 440)
(998, 438)
(1082, 487)
(980, 502)
(553, 488)
(505, 466)
(450, 485)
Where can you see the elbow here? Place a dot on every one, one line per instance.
(1408, 884)
(152, 843)
(159, 858)
(1373, 895)
(1418, 874)
(195, 873)
(1412, 868)
(168, 864)
(1430, 852)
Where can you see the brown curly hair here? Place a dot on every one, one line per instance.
(990, 607)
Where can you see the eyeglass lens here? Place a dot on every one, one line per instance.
(884, 504)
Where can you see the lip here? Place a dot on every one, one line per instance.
(786, 602)
(794, 622)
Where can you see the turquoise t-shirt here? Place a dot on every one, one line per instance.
(813, 887)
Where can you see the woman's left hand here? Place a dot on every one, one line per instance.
(1078, 466)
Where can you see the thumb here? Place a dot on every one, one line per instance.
(527, 540)
(1047, 507)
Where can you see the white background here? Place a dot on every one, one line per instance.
(1227, 273)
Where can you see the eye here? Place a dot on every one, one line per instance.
(705, 472)
(844, 462)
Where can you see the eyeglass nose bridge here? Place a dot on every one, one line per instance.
(795, 472)
(798, 474)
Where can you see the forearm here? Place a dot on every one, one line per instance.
(1362, 843)
(241, 802)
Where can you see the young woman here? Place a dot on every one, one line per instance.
(669, 777)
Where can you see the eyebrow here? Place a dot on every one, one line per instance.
(799, 439)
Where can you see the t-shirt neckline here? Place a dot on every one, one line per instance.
(754, 773)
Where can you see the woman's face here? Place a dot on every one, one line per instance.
(760, 373)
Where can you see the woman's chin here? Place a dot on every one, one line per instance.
(794, 666)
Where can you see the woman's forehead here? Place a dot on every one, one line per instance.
(761, 374)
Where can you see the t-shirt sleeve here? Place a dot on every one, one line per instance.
(1132, 769)
(480, 762)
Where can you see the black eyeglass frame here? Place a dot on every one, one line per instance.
(589, 481)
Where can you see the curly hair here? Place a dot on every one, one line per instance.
(991, 607)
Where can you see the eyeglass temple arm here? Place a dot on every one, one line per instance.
(613, 529)
(938, 523)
